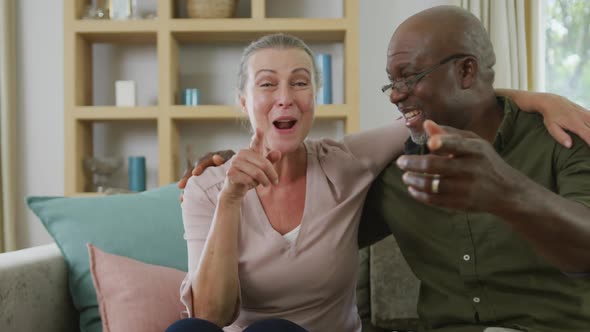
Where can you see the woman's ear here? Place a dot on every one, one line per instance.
(242, 100)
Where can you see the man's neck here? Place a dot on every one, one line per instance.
(487, 118)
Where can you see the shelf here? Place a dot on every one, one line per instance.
(207, 112)
(230, 112)
(334, 111)
(128, 32)
(245, 30)
(168, 54)
(110, 113)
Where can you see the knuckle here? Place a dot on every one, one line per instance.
(242, 154)
(427, 198)
(259, 174)
(229, 173)
(423, 163)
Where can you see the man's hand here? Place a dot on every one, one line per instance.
(462, 172)
(216, 158)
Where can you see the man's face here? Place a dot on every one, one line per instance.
(423, 97)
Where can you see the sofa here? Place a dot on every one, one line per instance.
(35, 294)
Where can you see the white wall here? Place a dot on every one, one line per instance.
(41, 80)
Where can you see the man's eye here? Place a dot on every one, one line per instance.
(265, 85)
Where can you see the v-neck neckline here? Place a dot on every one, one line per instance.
(302, 225)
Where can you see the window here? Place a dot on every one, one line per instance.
(567, 49)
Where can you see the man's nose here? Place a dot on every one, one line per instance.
(396, 96)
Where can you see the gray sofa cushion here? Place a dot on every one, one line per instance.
(394, 288)
(34, 291)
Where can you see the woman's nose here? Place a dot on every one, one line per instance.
(285, 96)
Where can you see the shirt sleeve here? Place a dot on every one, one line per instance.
(573, 178)
(573, 172)
(197, 214)
(373, 226)
(378, 147)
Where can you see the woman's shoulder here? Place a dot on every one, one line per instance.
(212, 177)
(324, 147)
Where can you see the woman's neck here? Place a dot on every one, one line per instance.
(292, 166)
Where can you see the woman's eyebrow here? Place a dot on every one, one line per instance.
(263, 71)
(301, 69)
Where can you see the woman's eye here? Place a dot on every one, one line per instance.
(300, 83)
(265, 85)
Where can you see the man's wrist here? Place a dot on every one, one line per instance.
(519, 200)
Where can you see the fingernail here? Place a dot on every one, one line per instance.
(434, 143)
(567, 143)
(401, 162)
(405, 177)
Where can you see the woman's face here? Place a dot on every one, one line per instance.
(279, 97)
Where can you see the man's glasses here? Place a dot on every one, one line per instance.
(406, 85)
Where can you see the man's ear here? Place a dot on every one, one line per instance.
(468, 71)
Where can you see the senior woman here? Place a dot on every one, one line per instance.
(272, 234)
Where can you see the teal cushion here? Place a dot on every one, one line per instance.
(146, 227)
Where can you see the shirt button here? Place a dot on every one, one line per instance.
(466, 257)
(476, 299)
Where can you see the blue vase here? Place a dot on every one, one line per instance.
(137, 173)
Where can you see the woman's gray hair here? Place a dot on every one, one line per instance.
(274, 41)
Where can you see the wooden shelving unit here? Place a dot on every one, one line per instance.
(168, 34)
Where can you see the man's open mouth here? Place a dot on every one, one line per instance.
(412, 114)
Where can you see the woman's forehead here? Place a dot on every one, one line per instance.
(276, 59)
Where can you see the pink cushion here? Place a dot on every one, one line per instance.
(134, 296)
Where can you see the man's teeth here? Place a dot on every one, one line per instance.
(411, 114)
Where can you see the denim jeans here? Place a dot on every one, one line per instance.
(267, 325)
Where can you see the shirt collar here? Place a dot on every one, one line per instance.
(506, 129)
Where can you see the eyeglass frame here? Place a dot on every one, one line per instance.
(411, 81)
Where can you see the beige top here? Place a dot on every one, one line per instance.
(311, 281)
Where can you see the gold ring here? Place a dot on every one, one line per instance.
(435, 184)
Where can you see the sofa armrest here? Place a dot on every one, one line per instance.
(34, 291)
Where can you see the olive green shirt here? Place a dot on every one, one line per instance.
(475, 271)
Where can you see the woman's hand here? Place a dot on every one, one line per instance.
(250, 168)
(559, 113)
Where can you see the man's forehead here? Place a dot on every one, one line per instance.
(412, 46)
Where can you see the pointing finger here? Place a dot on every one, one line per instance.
(256, 142)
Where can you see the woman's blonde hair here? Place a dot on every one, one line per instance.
(274, 41)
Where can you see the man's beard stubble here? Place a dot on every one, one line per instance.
(419, 138)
